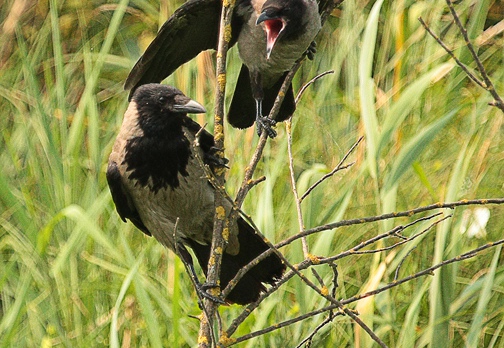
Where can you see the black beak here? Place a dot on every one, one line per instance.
(263, 17)
(274, 26)
(190, 107)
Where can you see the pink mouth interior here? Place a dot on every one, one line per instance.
(273, 28)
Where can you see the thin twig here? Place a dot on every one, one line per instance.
(427, 271)
(387, 216)
(306, 264)
(284, 324)
(336, 169)
(488, 83)
(308, 340)
(331, 307)
(403, 240)
(331, 315)
(288, 127)
(309, 83)
(323, 292)
(309, 262)
(396, 275)
(451, 54)
(249, 172)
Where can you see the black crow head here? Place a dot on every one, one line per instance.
(160, 106)
(281, 18)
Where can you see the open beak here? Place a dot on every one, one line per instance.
(274, 27)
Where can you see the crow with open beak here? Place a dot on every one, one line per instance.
(157, 183)
(271, 36)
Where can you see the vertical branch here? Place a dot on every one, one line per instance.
(219, 238)
(288, 127)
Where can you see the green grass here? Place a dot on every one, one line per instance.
(74, 275)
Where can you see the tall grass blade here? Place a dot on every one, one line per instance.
(151, 321)
(366, 87)
(407, 101)
(114, 325)
(411, 150)
(442, 290)
(475, 330)
(76, 129)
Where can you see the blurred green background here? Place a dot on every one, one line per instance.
(74, 275)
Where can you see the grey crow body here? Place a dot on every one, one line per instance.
(271, 36)
(155, 178)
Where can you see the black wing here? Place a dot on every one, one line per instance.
(193, 28)
(124, 205)
(242, 111)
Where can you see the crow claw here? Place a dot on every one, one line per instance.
(213, 159)
(202, 290)
(265, 123)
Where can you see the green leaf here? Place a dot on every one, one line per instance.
(475, 330)
(407, 101)
(413, 148)
(366, 87)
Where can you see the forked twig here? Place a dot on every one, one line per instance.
(309, 262)
(358, 221)
(486, 83)
(336, 169)
(427, 271)
(452, 55)
(331, 307)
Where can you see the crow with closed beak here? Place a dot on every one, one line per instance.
(271, 36)
(157, 183)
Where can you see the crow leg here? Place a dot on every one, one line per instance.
(200, 288)
(263, 122)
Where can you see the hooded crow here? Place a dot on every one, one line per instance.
(157, 183)
(271, 36)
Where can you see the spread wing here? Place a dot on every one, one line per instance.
(193, 28)
(123, 202)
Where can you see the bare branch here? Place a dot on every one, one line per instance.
(403, 240)
(308, 340)
(406, 213)
(218, 239)
(396, 275)
(284, 324)
(310, 262)
(427, 271)
(336, 169)
(249, 172)
(309, 83)
(488, 83)
(451, 54)
(331, 307)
